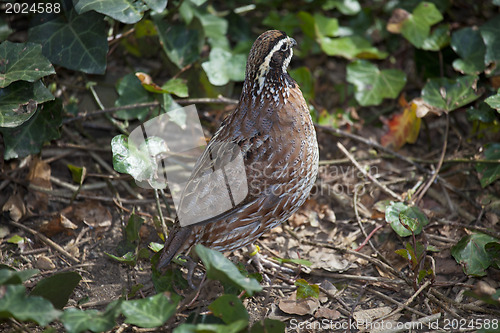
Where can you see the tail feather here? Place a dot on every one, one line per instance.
(173, 244)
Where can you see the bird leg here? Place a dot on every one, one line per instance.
(260, 261)
(190, 264)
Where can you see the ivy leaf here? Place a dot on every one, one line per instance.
(22, 61)
(150, 312)
(57, 288)
(220, 268)
(19, 102)
(494, 101)
(469, 45)
(15, 303)
(121, 10)
(133, 227)
(417, 26)
(177, 87)
(346, 7)
(403, 128)
(405, 219)
(438, 39)
(471, 254)
(76, 320)
(373, 85)
(74, 41)
(351, 47)
(30, 136)
(448, 94)
(489, 172)
(131, 91)
(491, 36)
(223, 67)
(305, 290)
(229, 308)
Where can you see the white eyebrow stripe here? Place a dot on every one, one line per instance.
(264, 67)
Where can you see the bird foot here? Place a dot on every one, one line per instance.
(260, 261)
(190, 264)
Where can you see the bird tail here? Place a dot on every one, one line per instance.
(176, 239)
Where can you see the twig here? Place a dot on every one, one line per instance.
(415, 326)
(440, 164)
(366, 174)
(390, 299)
(361, 227)
(47, 241)
(94, 113)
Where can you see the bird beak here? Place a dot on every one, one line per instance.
(293, 42)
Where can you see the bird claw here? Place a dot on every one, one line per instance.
(190, 264)
(261, 261)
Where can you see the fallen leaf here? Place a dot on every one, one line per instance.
(327, 313)
(15, 206)
(93, 214)
(403, 127)
(39, 176)
(57, 225)
(300, 307)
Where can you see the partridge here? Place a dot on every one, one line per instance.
(274, 136)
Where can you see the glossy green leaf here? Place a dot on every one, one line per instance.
(269, 326)
(325, 26)
(128, 258)
(351, 47)
(304, 78)
(494, 101)
(157, 5)
(150, 312)
(235, 327)
(493, 250)
(131, 91)
(448, 94)
(14, 303)
(469, 45)
(76, 320)
(305, 290)
(121, 10)
(471, 254)
(77, 173)
(181, 44)
(19, 102)
(491, 36)
(416, 28)
(30, 136)
(346, 7)
(229, 308)
(372, 84)
(177, 87)
(482, 112)
(223, 67)
(133, 227)
(57, 288)
(438, 39)
(11, 276)
(22, 61)
(220, 268)
(489, 172)
(405, 219)
(74, 41)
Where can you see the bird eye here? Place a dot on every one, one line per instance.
(284, 47)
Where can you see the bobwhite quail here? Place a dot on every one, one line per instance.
(275, 137)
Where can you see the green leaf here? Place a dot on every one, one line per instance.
(220, 268)
(489, 172)
(277, 20)
(373, 85)
(325, 26)
(11, 276)
(19, 102)
(491, 36)
(131, 91)
(416, 28)
(171, 280)
(181, 44)
(494, 101)
(5, 30)
(351, 47)
(346, 7)
(74, 41)
(268, 326)
(22, 61)
(448, 94)
(305, 290)
(76, 320)
(133, 226)
(29, 137)
(304, 78)
(121, 10)
(15, 303)
(471, 254)
(229, 308)
(482, 112)
(405, 219)
(438, 39)
(128, 258)
(77, 173)
(157, 5)
(57, 288)
(150, 312)
(223, 66)
(235, 327)
(469, 45)
(177, 87)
